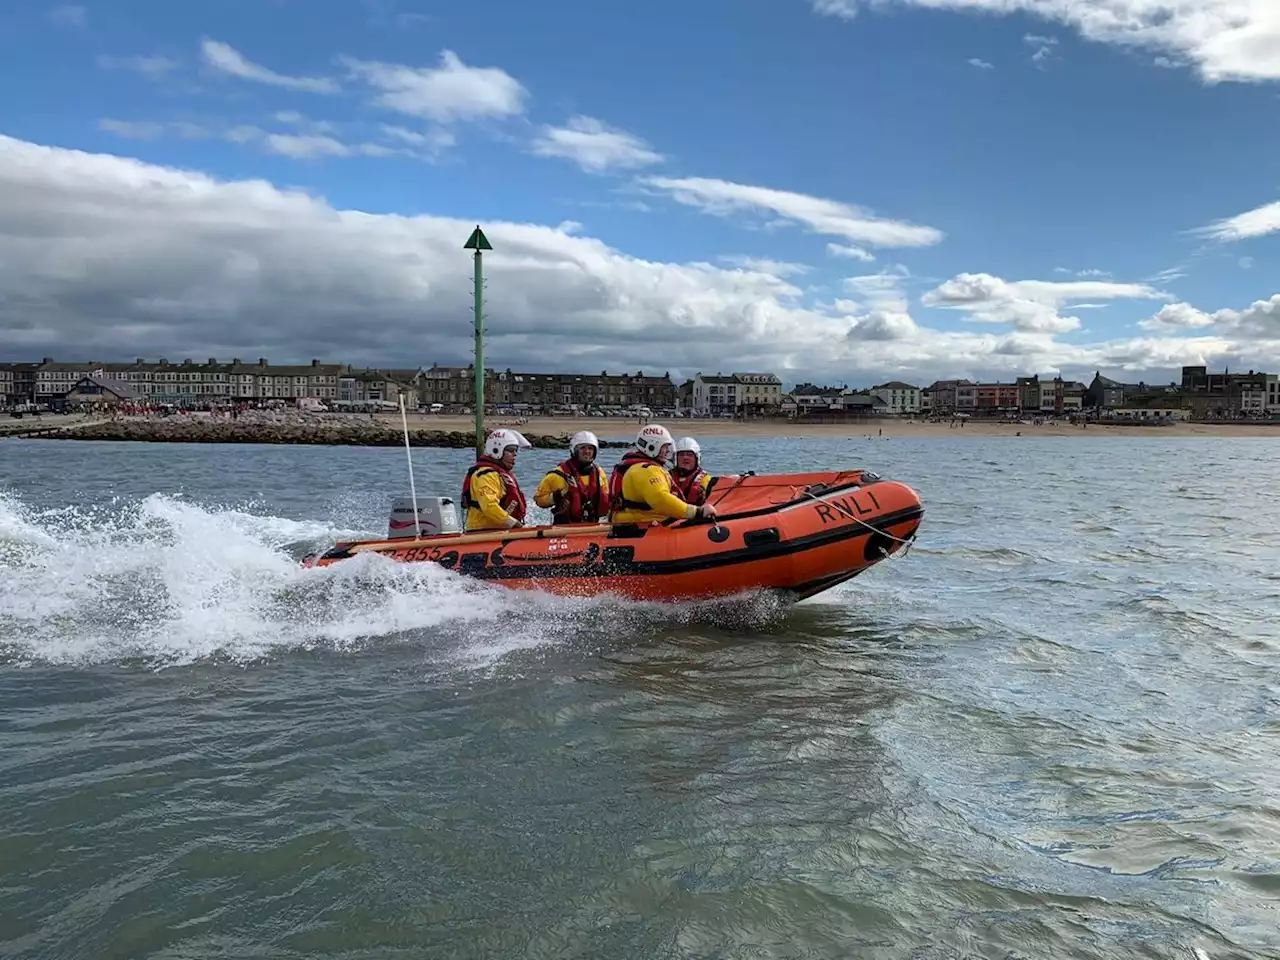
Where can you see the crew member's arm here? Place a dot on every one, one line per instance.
(605, 503)
(659, 498)
(486, 491)
(549, 490)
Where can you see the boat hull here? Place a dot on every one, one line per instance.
(792, 534)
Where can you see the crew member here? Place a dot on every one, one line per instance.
(576, 490)
(640, 488)
(688, 480)
(491, 496)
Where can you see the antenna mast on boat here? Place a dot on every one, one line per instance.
(478, 242)
(413, 491)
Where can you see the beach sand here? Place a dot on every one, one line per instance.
(291, 426)
(619, 429)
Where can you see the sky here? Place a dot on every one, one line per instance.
(836, 191)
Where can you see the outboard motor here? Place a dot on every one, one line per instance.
(436, 515)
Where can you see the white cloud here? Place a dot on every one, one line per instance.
(595, 147)
(1029, 305)
(293, 118)
(775, 268)
(844, 9)
(383, 13)
(1167, 275)
(1044, 48)
(189, 131)
(428, 144)
(154, 66)
(883, 290)
(132, 129)
(847, 252)
(1246, 263)
(884, 323)
(307, 140)
(226, 59)
(1257, 222)
(1260, 320)
(1223, 39)
(313, 146)
(405, 135)
(242, 133)
(1177, 316)
(108, 257)
(819, 215)
(980, 63)
(447, 93)
(881, 313)
(152, 130)
(303, 146)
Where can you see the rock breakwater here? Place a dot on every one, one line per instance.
(345, 432)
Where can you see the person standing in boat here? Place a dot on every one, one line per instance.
(640, 490)
(577, 490)
(491, 496)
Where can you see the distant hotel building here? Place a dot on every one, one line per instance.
(192, 383)
(457, 385)
(721, 395)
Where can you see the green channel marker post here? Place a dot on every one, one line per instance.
(477, 242)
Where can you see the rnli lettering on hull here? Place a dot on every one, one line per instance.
(839, 510)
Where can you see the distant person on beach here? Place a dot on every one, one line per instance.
(576, 490)
(640, 490)
(491, 496)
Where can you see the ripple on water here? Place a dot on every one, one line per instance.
(1048, 731)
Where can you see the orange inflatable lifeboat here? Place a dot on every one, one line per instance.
(796, 534)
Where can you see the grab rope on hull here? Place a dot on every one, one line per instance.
(858, 520)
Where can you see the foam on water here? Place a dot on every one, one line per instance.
(169, 581)
(172, 581)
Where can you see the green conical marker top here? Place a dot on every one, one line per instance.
(477, 241)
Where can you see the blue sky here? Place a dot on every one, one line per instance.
(901, 190)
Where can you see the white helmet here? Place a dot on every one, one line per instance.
(583, 438)
(691, 445)
(502, 438)
(651, 439)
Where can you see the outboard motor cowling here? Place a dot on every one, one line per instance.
(436, 515)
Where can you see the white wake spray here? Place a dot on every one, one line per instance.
(167, 581)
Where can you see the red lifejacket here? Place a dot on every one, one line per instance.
(689, 486)
(512, 498)
(586, 498)
(629, 459)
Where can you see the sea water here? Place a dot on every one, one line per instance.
(1048, 730)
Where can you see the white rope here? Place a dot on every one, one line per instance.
(845, 510)
(839, 506)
